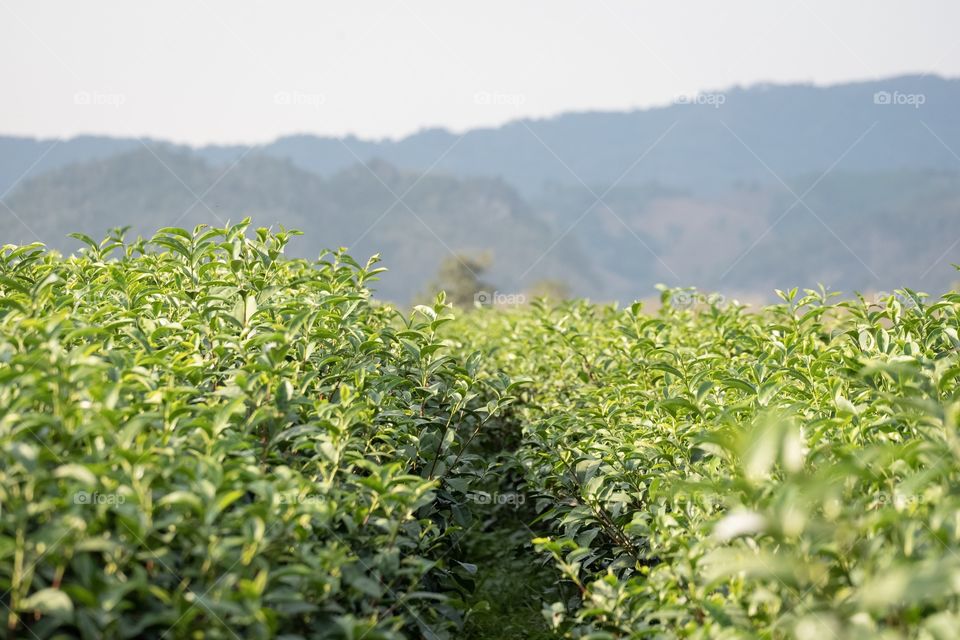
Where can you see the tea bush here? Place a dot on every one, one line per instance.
(202, 438)
(718, 473)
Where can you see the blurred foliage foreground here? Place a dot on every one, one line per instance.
(200, 438)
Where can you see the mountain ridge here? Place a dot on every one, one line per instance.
(355, 208)
(792, 128)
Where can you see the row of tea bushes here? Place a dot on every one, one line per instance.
(199, 437)
(720, 472)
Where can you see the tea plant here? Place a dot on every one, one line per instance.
(202, 438)
(719, 473)
(199, 436)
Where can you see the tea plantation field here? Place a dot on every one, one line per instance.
(200, 438)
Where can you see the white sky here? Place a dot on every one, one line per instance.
(201, 71)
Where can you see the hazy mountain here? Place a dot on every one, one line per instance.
(706, 143)
(21, 158)
(754, 134)
(866, 231)
(357, 208)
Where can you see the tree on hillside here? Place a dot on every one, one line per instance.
(461, 277)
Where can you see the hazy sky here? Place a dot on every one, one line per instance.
(203, 71)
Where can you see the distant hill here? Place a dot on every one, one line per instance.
(866, 231)
(354, 208)
(792, 129)
(789, 130)
(22, 158)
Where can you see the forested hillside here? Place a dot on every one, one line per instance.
(858, 231)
